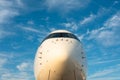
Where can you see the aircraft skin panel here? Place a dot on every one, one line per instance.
(60, 59)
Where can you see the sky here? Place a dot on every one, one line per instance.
(25, 23)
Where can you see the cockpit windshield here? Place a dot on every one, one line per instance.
(64, 35)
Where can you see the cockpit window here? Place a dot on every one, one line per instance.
(65, 35)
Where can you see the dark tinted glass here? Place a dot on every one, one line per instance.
(65, 35)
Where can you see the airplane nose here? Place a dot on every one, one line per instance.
(59, 56)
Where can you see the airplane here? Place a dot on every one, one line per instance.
(60, 57)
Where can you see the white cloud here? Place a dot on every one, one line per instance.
(106, 78)
(100, 74)
(52, 29)
(25, 66)
(93, 17)
(2, 62)
(40, 33)
(99, 61)
(88, 19)
(7, 10)
(24, 72)
(65, 5)
(9, 4)
(17, 75)
(114, 21)
(108, 38)
(20, 3)
(30, 22)
(5, 3)
(6, 14)
(71, 25)
(30, 29)
(81, 37)
(108, 35)
(95, 32)
(4, 33)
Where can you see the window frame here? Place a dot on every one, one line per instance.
(61, 35)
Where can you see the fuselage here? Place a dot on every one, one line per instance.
(60, 57)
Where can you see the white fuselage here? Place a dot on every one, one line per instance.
(60, 59)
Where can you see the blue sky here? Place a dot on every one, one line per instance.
(24, 24)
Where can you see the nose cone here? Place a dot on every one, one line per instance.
(60, 67)
(60, 53)
(59, 58)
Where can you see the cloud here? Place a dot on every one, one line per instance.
(11, 4)
(20, 3)
(100, 75)
(71, 25)
(37, 34)
(4, 34)
(24, 66)
(53, 29)
(88, 19)
(114, 21)
(7, 10)
(2, 62)
(65, 5)
(3, 2)
(106, 78)
(24, 72)
(17, 75)
(30, 29)
(81, 37)
(108, 35)
(102, 61)
(30, 22)
(108, 38)
(6, 14)
(91, 18)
